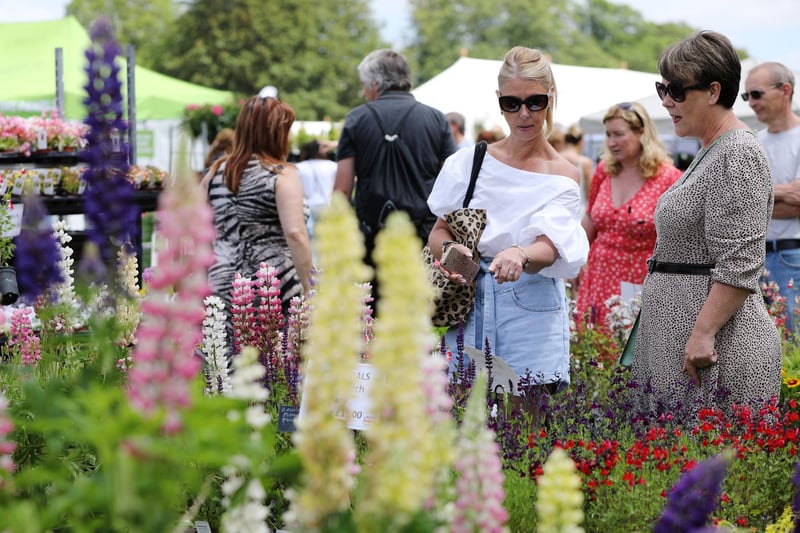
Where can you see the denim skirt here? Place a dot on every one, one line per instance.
(526, 323)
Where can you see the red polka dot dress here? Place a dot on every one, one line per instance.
(626, 236)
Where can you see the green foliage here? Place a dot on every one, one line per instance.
(215, 118)
(87, 461)
(308, 50)
(484, 29)
(135, 22)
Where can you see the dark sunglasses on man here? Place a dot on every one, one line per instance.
(534, 102)
(755, 94)
(676, 90)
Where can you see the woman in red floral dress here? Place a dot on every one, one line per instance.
(634, 171)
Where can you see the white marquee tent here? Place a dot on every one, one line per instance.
(468, 86)
(592, 123)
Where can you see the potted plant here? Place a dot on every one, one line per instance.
(9, 291)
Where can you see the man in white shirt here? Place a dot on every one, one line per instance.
(769, 89)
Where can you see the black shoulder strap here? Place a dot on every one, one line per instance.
(400, 125)
(477, 161)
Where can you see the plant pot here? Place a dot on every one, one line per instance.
(9, 291)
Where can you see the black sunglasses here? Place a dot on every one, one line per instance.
(755, 94)
(628, 106)
(535, 102)
(675, 90)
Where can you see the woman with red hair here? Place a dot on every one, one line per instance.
(257, 199)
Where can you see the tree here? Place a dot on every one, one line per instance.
(135, 22)
(309, 50)
(622, 33)
(483, 29)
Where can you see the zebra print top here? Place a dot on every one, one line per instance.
(249, 232)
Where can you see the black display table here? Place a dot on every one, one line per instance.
(62, 204)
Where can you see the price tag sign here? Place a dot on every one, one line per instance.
(357, 409)
(41, 140)
(358, 412)
(286, 415)
(15, 223)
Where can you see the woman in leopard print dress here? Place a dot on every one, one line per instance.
(705, 338)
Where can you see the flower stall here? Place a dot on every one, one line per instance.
(122, 407)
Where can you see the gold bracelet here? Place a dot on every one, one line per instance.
(527, 258)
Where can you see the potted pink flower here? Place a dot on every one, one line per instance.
(14, 134)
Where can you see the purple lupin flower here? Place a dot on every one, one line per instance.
(108, 201)
(694, 497)
(37, 253)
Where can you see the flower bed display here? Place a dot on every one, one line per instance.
(124, 408)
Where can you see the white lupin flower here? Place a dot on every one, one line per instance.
(246, 379)
(215, 346)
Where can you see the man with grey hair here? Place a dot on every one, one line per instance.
(769, 89)
(457, 128)
(419, 132)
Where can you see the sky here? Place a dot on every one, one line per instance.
(768, 29)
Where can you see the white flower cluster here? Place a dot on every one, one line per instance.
(621, 316)
(246, 385)
(215, 346)
(64, 292)
(251, 514)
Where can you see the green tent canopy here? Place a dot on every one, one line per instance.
(29, 74)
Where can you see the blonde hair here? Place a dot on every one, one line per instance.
(654, 153)
(530, 64)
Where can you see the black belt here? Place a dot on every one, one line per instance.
(782, 244)
(678, 268)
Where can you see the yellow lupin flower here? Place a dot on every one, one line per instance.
(128, 299)
(785, 523)
(406, 449)
(559, 499)
(323, 442)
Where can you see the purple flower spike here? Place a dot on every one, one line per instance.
(796, 500)
(108, 201)
(694, 497)
(37, 252)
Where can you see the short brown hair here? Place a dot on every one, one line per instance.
(704, 58)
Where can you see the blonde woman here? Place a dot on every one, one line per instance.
(533, 237)
(634, 171)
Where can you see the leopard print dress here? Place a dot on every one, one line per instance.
(716, 213)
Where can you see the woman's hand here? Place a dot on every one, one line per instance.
(698, 353)
(507, 265)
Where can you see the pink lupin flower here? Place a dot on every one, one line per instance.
(269, 316)
(164, 361)
(22, 336)
(242, 317)
(479, 481)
